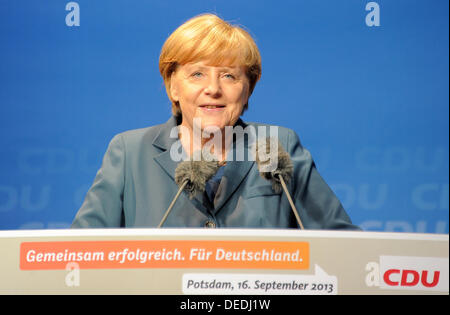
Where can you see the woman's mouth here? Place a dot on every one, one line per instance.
(212, 107)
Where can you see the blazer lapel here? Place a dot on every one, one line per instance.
(164, 142)
(234, 173)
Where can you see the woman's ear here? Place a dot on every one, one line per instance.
(174, 88)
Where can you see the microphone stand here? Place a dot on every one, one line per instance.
(288, 195)
(173, 202)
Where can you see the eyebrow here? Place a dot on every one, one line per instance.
(191, 67)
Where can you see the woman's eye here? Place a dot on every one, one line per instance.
(196, 74)
(229, 76)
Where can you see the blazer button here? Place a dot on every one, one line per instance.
(210, 224)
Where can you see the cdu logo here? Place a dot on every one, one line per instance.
(409, 273)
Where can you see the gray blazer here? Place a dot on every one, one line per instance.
(135, 185)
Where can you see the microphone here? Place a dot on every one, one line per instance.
(192, 177)
(280, 173)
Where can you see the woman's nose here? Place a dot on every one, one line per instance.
(213, 87)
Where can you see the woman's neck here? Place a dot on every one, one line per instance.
(204, 145)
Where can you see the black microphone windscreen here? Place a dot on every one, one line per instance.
(276, 162)
(197, 173)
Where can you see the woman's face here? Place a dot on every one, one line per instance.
(216, 95)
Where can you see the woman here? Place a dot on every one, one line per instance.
(210, 69)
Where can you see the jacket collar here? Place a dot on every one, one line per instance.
(234, 172)
(163, 139)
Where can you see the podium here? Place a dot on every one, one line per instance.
(222, 262)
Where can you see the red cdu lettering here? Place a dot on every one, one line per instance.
(410, 278)
(410, 282)
(387, 277)
(425, 278)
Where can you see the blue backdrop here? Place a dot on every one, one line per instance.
(364, 84)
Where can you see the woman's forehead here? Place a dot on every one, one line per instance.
(210, 64)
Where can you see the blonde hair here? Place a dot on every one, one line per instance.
(208, 37)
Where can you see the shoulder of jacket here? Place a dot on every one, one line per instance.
(281, 128)
(283, 133)
(135, 134)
